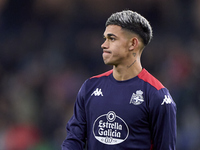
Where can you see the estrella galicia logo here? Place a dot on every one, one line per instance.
(110, 129)
(137, 98)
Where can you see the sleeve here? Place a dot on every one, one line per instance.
(163, 120)
(76, 126)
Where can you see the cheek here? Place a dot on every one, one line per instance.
(117, 50)
(116, 55)
(120, 52)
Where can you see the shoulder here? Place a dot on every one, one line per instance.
(147, 77)
(103, 74)
(93, 81)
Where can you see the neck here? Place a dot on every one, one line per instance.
(122, 73)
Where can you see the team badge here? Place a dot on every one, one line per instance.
(137, 98)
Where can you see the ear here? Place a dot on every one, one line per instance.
(134, 42)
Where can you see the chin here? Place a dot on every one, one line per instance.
(108, 63)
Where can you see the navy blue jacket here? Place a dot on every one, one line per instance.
(136, 114)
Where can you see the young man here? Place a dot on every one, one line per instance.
(125, 108)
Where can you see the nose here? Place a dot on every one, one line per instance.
(104, 45)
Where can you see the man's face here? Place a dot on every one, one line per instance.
(116, 45)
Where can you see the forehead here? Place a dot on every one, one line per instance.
(113, 29)
(117, 31)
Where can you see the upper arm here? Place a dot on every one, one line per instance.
(163, 120)
(76, 126)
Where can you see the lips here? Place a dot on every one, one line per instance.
(106, 51)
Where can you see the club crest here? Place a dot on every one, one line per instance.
(137, 98)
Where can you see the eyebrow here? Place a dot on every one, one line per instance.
(110, 35)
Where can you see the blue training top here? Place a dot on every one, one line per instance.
(136, 114)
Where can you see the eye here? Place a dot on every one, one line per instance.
(112, 39)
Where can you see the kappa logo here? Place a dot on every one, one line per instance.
(97, 92)
(137, 98)
(167, 100)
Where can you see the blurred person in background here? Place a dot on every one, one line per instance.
(126, 107)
